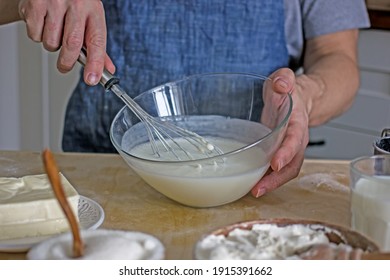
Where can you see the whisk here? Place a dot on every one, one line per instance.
(165, 132)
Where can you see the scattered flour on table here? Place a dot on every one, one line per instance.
(324, 181)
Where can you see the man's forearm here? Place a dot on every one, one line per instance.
(9, 11)
(331, 86)
(330, 82)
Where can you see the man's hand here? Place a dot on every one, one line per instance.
(288, 159)
(68, 25)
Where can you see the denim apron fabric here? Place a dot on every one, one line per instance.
(152, 42)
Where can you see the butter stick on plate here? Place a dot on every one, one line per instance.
(28, 207)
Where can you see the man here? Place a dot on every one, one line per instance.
(153, 42)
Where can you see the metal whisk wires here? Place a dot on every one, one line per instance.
(164, 132)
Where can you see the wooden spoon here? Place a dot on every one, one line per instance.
(55, 181)
(327, 252)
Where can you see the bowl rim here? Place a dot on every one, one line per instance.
(279, 126)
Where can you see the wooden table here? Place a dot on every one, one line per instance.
(320, 193)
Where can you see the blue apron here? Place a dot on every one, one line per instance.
(152, 42)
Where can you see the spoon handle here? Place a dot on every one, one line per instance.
(55, 181)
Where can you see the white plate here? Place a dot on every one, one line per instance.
(91, 216)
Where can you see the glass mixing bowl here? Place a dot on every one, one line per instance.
(237, 112)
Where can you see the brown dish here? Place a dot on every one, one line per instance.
(335, 233)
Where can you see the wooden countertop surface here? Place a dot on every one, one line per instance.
(319, 193)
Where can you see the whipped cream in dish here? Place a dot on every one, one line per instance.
(263, 241)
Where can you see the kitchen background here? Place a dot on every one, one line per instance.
(33, 94)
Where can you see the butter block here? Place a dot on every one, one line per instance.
(28, 207)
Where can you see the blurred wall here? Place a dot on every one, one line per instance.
(33, 93)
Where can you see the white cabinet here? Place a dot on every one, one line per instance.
(33, 94)
(352, 134)
(9, 89)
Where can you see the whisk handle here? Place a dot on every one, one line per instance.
(107, 80)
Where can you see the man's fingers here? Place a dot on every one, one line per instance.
(53, 29)
(283, 80)
(72, 42)
(95, 40)
(275, 179)
(34, 18)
